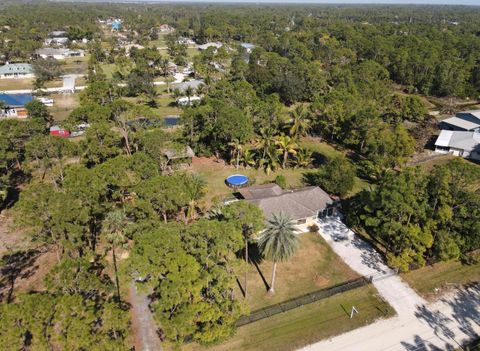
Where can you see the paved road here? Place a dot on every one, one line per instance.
(143, 324)
(418, 326)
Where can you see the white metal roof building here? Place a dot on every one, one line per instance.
(459, 143)
(463, 121)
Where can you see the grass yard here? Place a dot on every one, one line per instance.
(215, 173)
(164, 105)
(305, 325)
(314, 266)
(63, 104)
(431, 281)
(15, 84)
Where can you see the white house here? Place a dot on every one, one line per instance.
(59, 54)
(459, 143)
(187, 101)
(61, 41)
(216, 45)
(16, 71)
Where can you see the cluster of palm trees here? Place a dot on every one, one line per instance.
(272, 149)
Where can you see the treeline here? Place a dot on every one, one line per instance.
(420, 217)
(430, 50)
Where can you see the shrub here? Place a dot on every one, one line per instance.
(281, 181)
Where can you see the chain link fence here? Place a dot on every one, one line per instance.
(303, 300)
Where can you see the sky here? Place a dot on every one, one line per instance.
(418, 2)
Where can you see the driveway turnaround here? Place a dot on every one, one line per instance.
(418, 326)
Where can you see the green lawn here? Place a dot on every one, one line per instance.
(15, 84)
(313, 267)
(430, 281)
(63, 105)
(307, 324)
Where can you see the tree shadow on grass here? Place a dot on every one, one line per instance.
(256, 258)
(19, 264)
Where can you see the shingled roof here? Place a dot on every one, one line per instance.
(298, 203)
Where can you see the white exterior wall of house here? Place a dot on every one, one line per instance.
(17, 75)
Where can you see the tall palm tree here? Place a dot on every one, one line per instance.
(269, 162)
(236, 151)
(114, 228)
(265, 140)
(299, 123)
(286, 145)
(278, 242)
(189, 93)
(195, 188)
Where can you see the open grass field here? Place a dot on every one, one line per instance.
(15, 84)
(307, 324)
(314, 266)
(432, 281)
(63, 105)
(165, 105)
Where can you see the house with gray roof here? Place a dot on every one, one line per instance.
(459, 143)
(303, 205)
(182, 87)
(59, 53)
(463, 121)
(16, 71)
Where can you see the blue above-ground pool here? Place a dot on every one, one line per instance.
(237, 180)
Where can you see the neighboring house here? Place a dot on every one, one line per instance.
(16, 70)
(165, 28)
(182, 87)
(59, 54)
(459, 143)
(188, 101)
(185, 41)
(116, 25)
(248, 47)
(57, 34)
(216, 45)
(61, 41)
(463, 121)
(15, 105)
(177, 156)
(303, 205)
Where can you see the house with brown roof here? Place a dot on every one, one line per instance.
(303, 205)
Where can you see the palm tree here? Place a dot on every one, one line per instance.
(286, 145)
(248, 158)
(189, 93)
(195, 188)
(269, 162)
(236, 150)
(114, 227)
(299, 123)
(303, 158)
(278, 242)
(265, 140)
